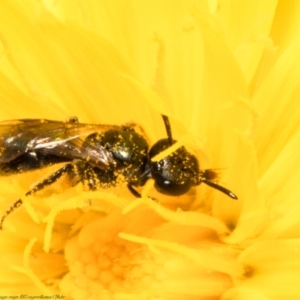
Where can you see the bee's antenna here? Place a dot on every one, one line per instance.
(168, 129)
(220, 188)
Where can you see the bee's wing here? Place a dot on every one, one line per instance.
(65, 139)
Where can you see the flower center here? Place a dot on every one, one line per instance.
(105, 264)
(105, 260)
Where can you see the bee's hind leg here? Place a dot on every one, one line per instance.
(68, 168)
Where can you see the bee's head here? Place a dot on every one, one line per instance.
(175, 174)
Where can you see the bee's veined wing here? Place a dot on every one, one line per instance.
(64, 139)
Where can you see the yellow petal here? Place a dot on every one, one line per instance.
(246, 25)
(273, 268)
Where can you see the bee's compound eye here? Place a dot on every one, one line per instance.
(170, 187)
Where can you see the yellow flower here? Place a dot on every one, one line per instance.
(225, 72)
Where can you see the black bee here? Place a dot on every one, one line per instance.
(98, 156)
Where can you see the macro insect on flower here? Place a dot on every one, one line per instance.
(98, 156)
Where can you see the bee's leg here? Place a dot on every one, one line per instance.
(89, 178)
(68, 168)
(41, 185)
(11, 209)
(143, 178)
(94, 178)
(133, 191)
